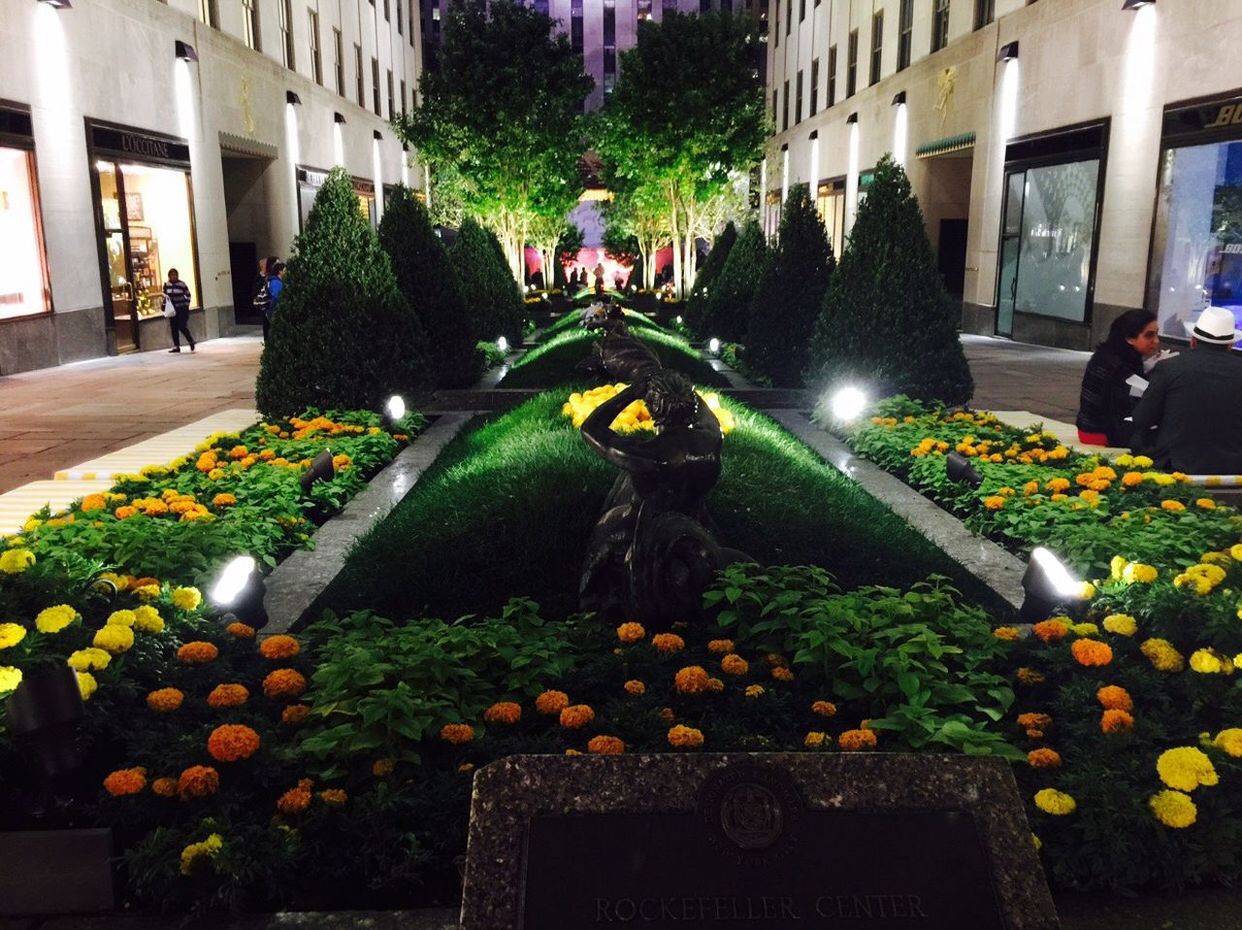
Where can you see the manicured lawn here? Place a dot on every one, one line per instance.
(555, 362)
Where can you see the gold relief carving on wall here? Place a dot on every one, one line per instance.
(946, 87)
(247, 108)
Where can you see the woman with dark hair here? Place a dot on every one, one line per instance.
(1106, 400)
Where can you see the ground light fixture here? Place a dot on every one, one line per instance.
(239, 591)
(394, 409)
(502, 344)
(184, 51)
(43, 716)
(321, 469)
(678, 320)
(958, 468)
(847, 404)
(1048, 585)
(713, 344)
(1008, 52)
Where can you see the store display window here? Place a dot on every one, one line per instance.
(830, 204)
(23, 271)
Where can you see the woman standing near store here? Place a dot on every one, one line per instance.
(178, 293)
(1106, 400)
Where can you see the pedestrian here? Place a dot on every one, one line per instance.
(275, 285)
(261, 298)
(177, 292)
(1189, 419)
(1106, 399)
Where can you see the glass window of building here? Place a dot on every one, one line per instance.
(315, 57)
(644, 9)
(285, 7)
(940, 25)
(905, 32)
(413, 21)
(985, 12)
(814, 86)
(209, 12)
(610, 22)
(1196, 258)
(785, 108)
(776, 35)
(375, 88)
(392, 106)
(400, 20)
(774, 93)
(1048, 235)
(851, 65)
(801, 10)
(575, 25)
(789, 17)
(361, 78)
(250, 25)
(830, 204)
(877, 45)
(798, 101)
(338, 61)
(23, 273)
(404, 109)
(832, 75)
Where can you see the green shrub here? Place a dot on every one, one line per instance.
(430, 284)
(492, 296)
(727, 310)
(887, 321)
(343, 335)
(787, 302)
(708, 272)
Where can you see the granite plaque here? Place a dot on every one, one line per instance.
(786, 840)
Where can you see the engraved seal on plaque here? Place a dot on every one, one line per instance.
(751, 816)
(750, 813)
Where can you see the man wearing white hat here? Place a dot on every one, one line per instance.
(1194, 402)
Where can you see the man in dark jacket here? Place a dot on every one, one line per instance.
(178, 293)
(1193, 403)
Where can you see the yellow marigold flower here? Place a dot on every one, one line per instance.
(857, 740)
(1085, 629)
(114, 638)
(87, 685)
(382, 768)
(1090, 495)
(734, 664)
(1031, 487)
(754, 691)
(1058, 497)
(186, 598)
(720, 647)
(16, 561)
(1230, 741)
(232, 742)
(1090, 652)
(1173, 809)
(631, 632)
(605, 746)
(148, 592)
(576, 716)
(1205, 503)
(122, 618)
(89, 659)
(668, 643)
(1087, 592)
(1138, 572)
(1054, 802)
(635, 687)
(1121, 624)
(1206, 662)
(11, 634)
(506, 712)
(55, 619)
(279, 647)
(1057, 485)
(1186, 768)
(824, 708)
(165, 700)
(551, 702)
(1043, 758)
(457, 733)
(814, 739)
(995, 502)
(1006, 632)
(228, 695)
(1114, 720)
(10, 678)
(195, 853)
(683, 737)
(781, 673)
(1114, 697)
(1172, 505)
(1162, 655)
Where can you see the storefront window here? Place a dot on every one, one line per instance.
(830, 204)
(23, 276)
(772, 215)
(1198, 234)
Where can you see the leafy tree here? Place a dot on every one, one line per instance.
(787, 302)
(567, 248)
(491, 294)
(637, 215)
(343, 334)
(887, 321)
(687, 111)
(696, 311)
(726, 312)
(430, 284)
(504, 112)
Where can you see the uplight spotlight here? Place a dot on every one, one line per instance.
(713, 344)
(502, 344)
(847, 404)
(394, 408)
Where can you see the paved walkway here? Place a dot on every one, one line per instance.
(1019, 376)
(56, 418)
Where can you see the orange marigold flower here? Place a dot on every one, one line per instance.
(668, 643)
(333, 797)
(231, 742)
(164, 787)
(1028, 676)
(684, 737)
(1089, 652)
(814, 739)
(606, 746)
(125, 512)
(284, 683)
(280, 646)
(93, 502)
(1006, 632)
(715, 684)
(295, 715)
(198, 781)
(457, 733)
(1034, 721)
(1113, 697)
(734, 664)
(824, 708)
(125, 781)
(1050, 631)
(197, 653)
(635, 687)
(857, 740)
(576, 716)
(382, 768)
(165, 700)
(223, 500)
(503, 712)
(631, 632)
(775, 659)
(666, 714)
(228, 695)
(1113, 720)
(551, 702)
(691, 680)
(781, 673)
(720, 646)
(295, 800)
(240, 630)
(1044, 758)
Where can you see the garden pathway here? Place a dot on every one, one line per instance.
(1019, 376)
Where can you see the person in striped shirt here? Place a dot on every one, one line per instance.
(178, 292)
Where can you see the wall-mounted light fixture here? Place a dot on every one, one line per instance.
(184, 51)
(338, 118)
(851, 119)
(1008, 52)
(1136, 4)
(814, 134)
(900, 98)
(377, 135)
(291, 97)
(58, 4)
(785, 147)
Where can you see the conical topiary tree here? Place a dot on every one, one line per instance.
(727, 309)
(429, 282)
(887, 322)
(343, 336)
(787, 301)
(709, 271)
(492, 297)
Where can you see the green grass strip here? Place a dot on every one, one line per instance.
(555, 362)
(572, 322)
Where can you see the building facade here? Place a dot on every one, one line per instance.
(1073, 158)
(141, 135)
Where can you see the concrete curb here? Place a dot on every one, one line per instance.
(300, 580)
